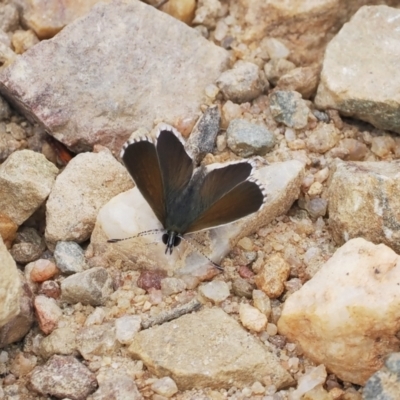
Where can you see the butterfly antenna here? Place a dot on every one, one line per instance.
(200, 252)
(144, 233)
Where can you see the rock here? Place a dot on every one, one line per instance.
(88, 182)
(275, 48)
(22, 364)
(309, 381)
(97, 340)
(180, 9)
(50, 289)
(165, 387)
(126, 328)
(89, 287)
(316, 207)
(206, 360)
(117, 386)
(202, 138)
(43, 270)
(363, 199)
(383, 146)
(242, 83)
(276, 68)
(48, 313)
(60, 341)
(20, 325)
(16, 131)
(303, 80)
(172, 286)
(10, 286)
(251, 318)
(216, 291)
(24, 40)
(9, 17)
(355, 150)
(63, 377)
(120, 218)
(323, 138)
(8, 230)
(26, 179)
(70, 257)
(242, 288)
(207, 12)
(5, 112)
(358, 68)
(151, 279)
(289, 108)
(272, 276)
(326, 320)
(28, 246)
(247, 139)
(262, 302)
(8, 144)
(106, 104)
(384, 384)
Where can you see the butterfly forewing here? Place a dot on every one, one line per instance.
(141, 161)
(244, 198)
(176, 167)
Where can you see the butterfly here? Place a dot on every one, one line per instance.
(186, 199)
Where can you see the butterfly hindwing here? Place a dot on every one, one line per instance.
(141, 161)
(225, 195)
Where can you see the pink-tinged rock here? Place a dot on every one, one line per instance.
(43, 270)
(47, 312)
(347, 317)
(48, 17)
(136, 65)
(63, 377)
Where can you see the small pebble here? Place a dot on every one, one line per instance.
(69, 257)
(251, 318)
(230, 111)
(323, 138)
(275, 48)
(172, 286)
(43, 270)
(257, 388)
(315, 189)
(151, 279)
(382, 146)
(96, 317)
(242, 288)
(23, 364)
(262, 302)
(246, 139)
(289, 108)
(165, 387)
(126, 328)
(216, 291)
(276, 68)
(48, 313)
(242, 83)
(50, 289)
(245, 243)
(356, 150)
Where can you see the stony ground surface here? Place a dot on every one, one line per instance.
(83, 330)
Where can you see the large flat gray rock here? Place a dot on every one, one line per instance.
(208, 349)
(122, 66)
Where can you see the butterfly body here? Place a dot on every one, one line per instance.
(185, 199)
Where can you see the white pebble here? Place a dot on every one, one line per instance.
(216, 291)
(251, 318)
(126, 328)
(165, 387)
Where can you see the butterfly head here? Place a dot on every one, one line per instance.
(171, 239)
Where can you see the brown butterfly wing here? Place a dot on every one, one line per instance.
(225, 196)
(141, 161)
(176, 168)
